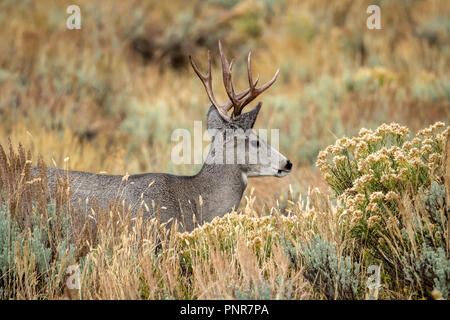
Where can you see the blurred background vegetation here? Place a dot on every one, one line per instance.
(109, 95)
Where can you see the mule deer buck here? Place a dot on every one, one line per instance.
(212, 192)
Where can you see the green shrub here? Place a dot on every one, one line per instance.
(429, 271)
(333, 275)
(25, 252)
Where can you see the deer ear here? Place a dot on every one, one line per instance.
(247, 120)
(214, 120)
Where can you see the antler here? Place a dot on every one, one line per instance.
(237, 101)
(207, 82)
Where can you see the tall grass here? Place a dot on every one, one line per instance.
(304, 248)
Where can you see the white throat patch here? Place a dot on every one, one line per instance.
(244, 178)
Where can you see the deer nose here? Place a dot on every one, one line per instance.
(288, 165)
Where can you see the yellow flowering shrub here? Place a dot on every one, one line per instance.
(389, 188)
(259, 232)
(371, 171)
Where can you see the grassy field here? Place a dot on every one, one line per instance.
(363, 115)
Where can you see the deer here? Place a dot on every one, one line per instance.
(217, 188)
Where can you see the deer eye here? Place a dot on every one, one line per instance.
(255, 143)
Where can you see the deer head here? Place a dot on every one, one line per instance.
(234, 141)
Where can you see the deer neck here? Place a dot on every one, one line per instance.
(222, 187)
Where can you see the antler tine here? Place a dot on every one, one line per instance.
(236, 100)
(249, 72)
(254, 92)
(207, 83)
(227, 81)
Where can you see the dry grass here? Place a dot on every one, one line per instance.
(304, 249)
